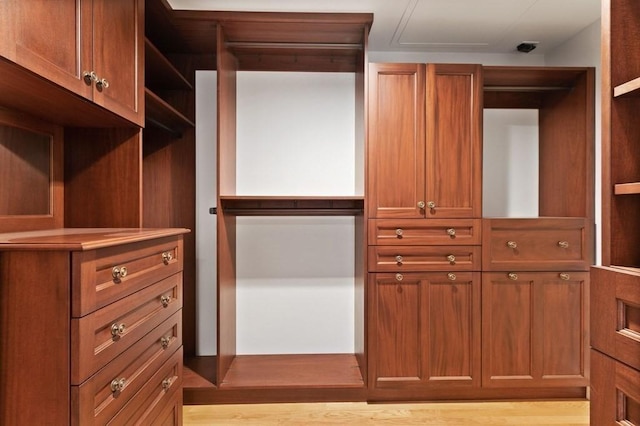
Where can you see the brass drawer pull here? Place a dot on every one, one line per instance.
(399, 277)
(167, 257)
(512, 276)
(421, 205)
(165, 300)
(564, 276)
(118, 273)
(89, 77)
(431, 205)
(563, 244)
(451, 232)
(164, 342)
(451, 276)
(166, 383)
(452, 259)
(117, 330)
(117, 385)
(512, 244)
(399, 232)
(399, 259)
(102, 84)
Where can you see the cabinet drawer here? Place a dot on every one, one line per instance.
(98, 399)
(424, 232)
(160, 399)
(105, 275)
(104, 334)
(424, 258)
(615, 313)
(535, 244)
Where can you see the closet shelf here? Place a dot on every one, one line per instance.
(627, 188)
(248, 205)
(160, 72)
(160, 114)
(629, 89)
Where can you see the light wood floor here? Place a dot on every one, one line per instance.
(537, 413)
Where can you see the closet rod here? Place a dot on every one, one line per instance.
(525, 88)
(287, 45)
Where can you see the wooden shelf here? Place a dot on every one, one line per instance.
(160, 114)
(160, 72)
(628, 89)
(627, 188)
(243, 205)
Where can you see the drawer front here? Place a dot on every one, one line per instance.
(105, 275)
(103, 395)
(160, 399)
(424, 258)
(424, 232)
(99, 337)
(615, 313)
(535, 245)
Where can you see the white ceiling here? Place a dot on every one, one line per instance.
(482, 26)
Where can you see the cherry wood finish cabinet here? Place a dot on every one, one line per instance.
(91, 325)
(93, 48)
(615, 293)
(425, 141)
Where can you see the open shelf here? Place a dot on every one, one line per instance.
(629, 89)
(160, 72)
(160, 114)
(246, 205)
(627, 188)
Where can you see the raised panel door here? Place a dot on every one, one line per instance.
(453, 141)
(50, 38)
(396, 147)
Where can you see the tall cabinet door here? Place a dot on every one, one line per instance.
(454, 141)
(424, 330)
(396, 148)
(51, 38)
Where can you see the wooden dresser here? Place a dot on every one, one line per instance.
(91, 326)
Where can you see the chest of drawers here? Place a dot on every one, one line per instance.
(91, 326)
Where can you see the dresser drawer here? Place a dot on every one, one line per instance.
(535, 244)
(99, 398)
(160, 399)
(615, 313)
(105, 275)
(424, 258)
(104, 334)
(424, 232)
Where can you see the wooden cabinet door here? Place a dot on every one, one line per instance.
(454, 141)
(424, 330)
(396, 140)
(50, 38)
(533, 329)
(118, 57)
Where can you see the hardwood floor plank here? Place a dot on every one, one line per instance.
(538, 413)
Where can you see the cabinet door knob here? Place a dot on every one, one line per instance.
(167, 257)
(421, 204)
(565, 277)
(399, 232)
(431, 205)
(563, 244)
(451, 276)
(513, 276)
(451, 232)
(399, 277)
(399, 259)
(451, 258)
(102, 84)
(89, 77)
(512, 244)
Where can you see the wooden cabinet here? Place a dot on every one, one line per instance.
(90, 47)
(532, 329)
(425, 150)
(425, 330)
(103, 307)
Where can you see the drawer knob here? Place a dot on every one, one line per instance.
(452, 259)
(512, 244)
(164, 341)
(512, 276)
(399, 232)
(117, 330)
(117, 385)
(563, 244)
(165, 300)
(399, 277)
(167, 257)
(451, 276)
(118, 272)
(89, 77)
(102, 84)
(421, 205)
(451, 232)
(565, 277)
(399, 259)
(166, 383)
(431, 205)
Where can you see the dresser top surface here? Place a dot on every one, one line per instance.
(82, 238)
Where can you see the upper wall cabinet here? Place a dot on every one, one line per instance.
(93, 48)
(425, 149)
